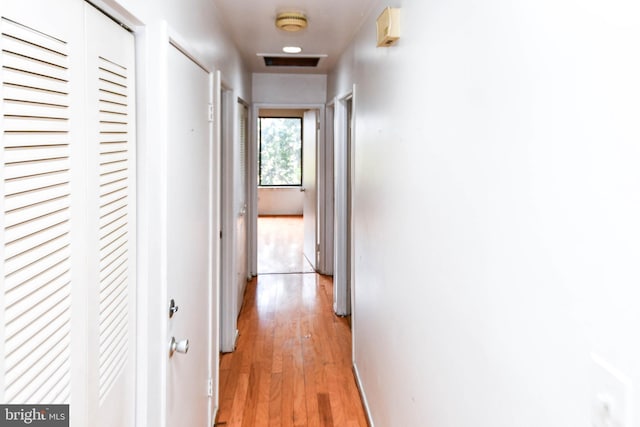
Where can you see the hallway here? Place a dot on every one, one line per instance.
(292, 364)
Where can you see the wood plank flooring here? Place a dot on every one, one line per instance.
(292, 365)
(280, 243)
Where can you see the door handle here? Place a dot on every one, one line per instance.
(302, 189)
(181, 346)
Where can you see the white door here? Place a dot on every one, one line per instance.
(230, 270)
(309, 185)
(241, 223)
(110, 145)
(189, 252)
(67, 211)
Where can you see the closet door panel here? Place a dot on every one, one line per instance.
(40, 77)
(110, 123)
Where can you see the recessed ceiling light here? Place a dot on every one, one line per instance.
(292, 49)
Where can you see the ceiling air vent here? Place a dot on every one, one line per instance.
(291, 61)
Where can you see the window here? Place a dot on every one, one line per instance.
(280, 159)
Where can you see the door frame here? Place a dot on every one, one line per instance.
(321, 180)
(228, 116)
(327, 199)
(343, 281)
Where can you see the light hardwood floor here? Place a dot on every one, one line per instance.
(292, 365)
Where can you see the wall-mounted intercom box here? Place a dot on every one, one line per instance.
(388, 25)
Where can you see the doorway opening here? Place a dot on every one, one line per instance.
(344, 178)
(286, 190)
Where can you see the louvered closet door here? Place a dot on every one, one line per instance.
(39, 98)
(111, 229)
(66, 211)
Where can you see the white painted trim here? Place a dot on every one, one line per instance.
(217, 85)
(120, 13)
(229, 314)
(341, 293)
(152, 188)
(352, 273)
(363, 396)
(213, 344)
(177, 41)
(321, 191)
(327, 201)
(252, 192)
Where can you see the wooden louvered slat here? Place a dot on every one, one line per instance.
(113, 107)
(35, 95)
(112, 98)
(114, 209)
(12, 107)
(34, 154)
(26, 139)
(45, 164)
(114, 221)
(37, 195)
(112, 269)
(29, 354)
(40, 180)
(34, 211)
(36, 229)
(32, 79)
(34, 37)
(26, 252)
(26, 370)
(26, 68)
(114, 175)
(107, 157)
(109, 198)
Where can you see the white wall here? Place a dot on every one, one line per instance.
(197, 26)
(497, 210)
(295, 89)
(280, 201)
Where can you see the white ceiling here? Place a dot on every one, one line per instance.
(331, 26)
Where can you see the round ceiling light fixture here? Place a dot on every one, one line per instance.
(291, 21)
(292, 49)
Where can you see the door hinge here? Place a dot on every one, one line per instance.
(210, 388)
(210, 112)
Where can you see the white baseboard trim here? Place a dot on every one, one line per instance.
(215, 415)
(363, 395)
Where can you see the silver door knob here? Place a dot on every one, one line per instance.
(181, 346)
(173, 308)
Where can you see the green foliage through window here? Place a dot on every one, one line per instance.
(280, 160)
